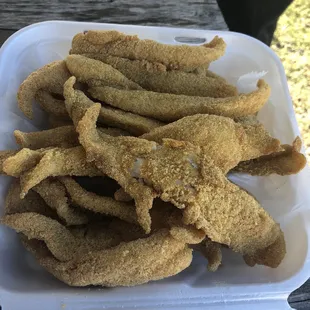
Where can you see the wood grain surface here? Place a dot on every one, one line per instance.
(183, 13)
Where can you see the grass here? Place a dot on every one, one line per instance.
(292, 44)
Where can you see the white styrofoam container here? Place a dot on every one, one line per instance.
(25, 285)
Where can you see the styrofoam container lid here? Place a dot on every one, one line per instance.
(25, 285)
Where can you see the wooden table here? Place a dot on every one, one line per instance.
(203, 14)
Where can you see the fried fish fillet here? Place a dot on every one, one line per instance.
(97, 236)
(174, 82)
(143, 200)
(4, 155)
(31, 203)
(66, 243)
(64, 136)
(33, 166)
(62, 244)
(21, 161)
(183, 174)
(247, 120)
(226, 213)
(114, 132)
(286, 162)
(121, 195)
(50, 104)
(171, 107)
(54, 194)
(270, 256)
(124, 65)
(165, 215)
(99, 204)
(186, 233)
(212, 252)
(50, 77)
(225, 141)
(181, 57)
(77, 102)
(96, 73)
(55, 121)
(160, 256)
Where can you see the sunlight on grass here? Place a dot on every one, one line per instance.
(292, 44)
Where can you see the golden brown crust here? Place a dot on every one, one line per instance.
(98, 204)
(121, 195)
(58, 239)
(64, 136)
(21, 161)
(225, 141)
(50, 77)
(113, 158)
(77, 103)
(212, 252)
(31, 203)
(35, 166)
(270, 256)
(286, 162)
(171, 177)
(55, 121)
(200, 188)
(4, 155)
(50, 104)
(181, 57)
(118, 266)
(96, 73)
(171, 107)
(54, 194)
(115, 266)
(124, 65)
(152, 77)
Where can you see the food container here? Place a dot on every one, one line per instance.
(25, 285)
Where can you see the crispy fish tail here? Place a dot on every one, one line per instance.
(171, 107)
(51, 78)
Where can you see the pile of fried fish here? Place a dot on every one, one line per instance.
(131, 175)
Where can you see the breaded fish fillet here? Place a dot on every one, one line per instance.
(186, 176)
(21, 161)
(77, 102)
(174, 82)
(99, 204)
(96, 73)
(225, 141)
(50, 104)
(33, 166)
(160, 256)
(182, 57)
(4, 155)
(66, 243)
(31, 203)
(286, 162)
(64, 136)
(54, 194)
(55, 121)
(62, 244)
(50, 77)
(171, 107)
(212, 252)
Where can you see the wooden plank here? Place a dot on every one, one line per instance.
(300, 298)
(183, 13)
(4, 34)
